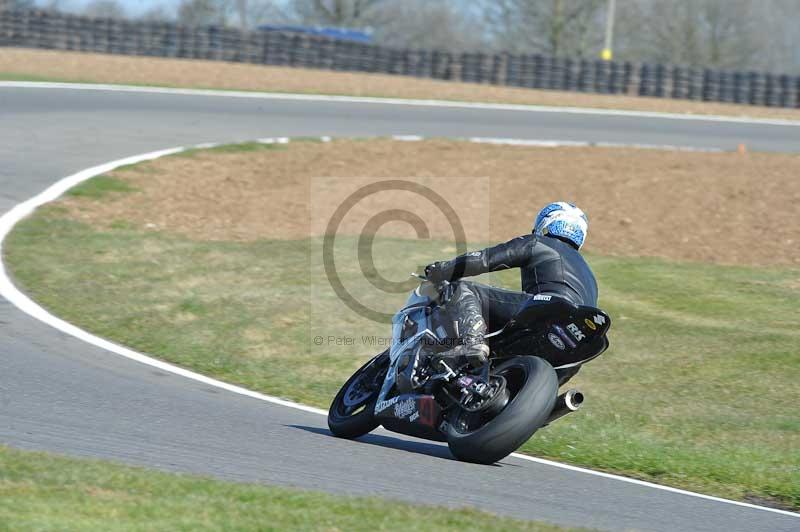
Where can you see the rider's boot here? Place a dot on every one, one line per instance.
(477, 354)
(474, 354)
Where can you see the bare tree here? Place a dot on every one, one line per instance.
(427, 24)
(16, 4)
(156, 14)
(339, 13)
(553, 27)
(435, 24)
(779, 37)
(263, 11)
(52, 5)
(243, 13)
(241, 8)
(105, 9)
(714, 33)
(203, 12)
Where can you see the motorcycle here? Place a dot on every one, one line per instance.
(484, 414)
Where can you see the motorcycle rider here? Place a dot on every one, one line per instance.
(550, 264)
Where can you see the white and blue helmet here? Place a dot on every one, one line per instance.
(563, 220)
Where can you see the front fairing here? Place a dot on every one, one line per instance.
(411, 319)
(415, 298)
(409, 326)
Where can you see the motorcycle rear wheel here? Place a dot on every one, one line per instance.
(352, 412)
(533, 387)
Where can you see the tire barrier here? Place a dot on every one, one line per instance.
(59, 31)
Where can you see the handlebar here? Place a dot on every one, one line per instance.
(439, 292)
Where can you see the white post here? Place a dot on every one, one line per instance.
(607, 54)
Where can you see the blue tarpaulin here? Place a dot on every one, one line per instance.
(343, 34)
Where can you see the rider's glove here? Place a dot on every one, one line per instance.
(433, 272)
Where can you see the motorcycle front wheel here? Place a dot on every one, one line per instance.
(352, 412)
(532, 387)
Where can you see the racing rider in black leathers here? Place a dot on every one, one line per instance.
(550, 264)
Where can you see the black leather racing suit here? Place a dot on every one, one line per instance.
(547, 265)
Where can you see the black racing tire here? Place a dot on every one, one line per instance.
(533, 387)
(362, 421)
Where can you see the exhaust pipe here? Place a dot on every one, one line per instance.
(566, 403)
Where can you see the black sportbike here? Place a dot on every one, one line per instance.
(483, 414)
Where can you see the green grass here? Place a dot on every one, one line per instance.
(695, 391)
(101, 186)
(231, 148)
(15, 76)
(45, 492)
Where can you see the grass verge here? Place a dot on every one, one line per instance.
(702, 356)
(39, 491)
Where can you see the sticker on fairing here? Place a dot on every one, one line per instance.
(405, 408)
(383, 405)
(556, 341)
(576, 332)
(564, 336)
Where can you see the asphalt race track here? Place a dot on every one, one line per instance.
(60, 394)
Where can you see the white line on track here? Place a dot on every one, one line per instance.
(397, 101)
(578, 144)
(27, 305)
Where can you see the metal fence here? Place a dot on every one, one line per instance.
(59, 31)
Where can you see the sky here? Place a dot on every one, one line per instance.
(133, 7)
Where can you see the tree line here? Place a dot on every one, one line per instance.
(728, 34)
